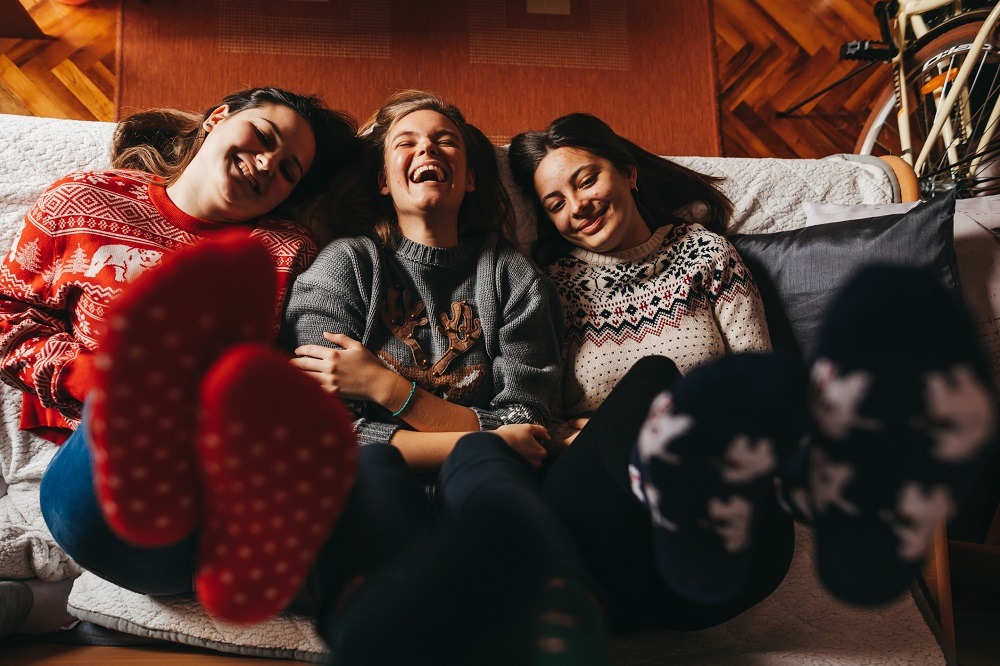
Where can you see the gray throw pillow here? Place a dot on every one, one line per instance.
(799, 272)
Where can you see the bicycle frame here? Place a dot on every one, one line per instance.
(946, 96)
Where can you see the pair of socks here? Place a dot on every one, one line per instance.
(198, 424)
(704, 464)
(903, 418)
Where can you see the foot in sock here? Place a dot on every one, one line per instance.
(704, 462)
(163, 333)
(473, 595)
(276, 456)
(903, 417)
(568, 626)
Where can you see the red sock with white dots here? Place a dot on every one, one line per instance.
(163, 334)
(277, 456)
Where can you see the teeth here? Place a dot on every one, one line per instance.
(419, 171)
(246, 174)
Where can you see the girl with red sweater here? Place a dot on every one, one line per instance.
(127, 495)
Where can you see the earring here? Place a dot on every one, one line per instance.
(208, 125)
(635, 188)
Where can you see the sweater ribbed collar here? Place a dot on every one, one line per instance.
(435, 256)
(637, 253)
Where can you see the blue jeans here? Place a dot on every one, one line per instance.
(386, 513)
(73, 515)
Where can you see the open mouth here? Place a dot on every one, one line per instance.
(427, 173)
(245, 170)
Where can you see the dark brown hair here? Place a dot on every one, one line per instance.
(164, 141)
(662, 186)
(486, 209)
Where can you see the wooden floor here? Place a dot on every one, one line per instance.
(70, 655)
(770, 54)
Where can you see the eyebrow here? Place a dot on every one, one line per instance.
(572, 177)
(277, 133)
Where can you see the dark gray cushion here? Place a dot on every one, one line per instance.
(800, 271)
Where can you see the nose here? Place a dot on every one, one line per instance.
(426, 146)
(578, 206)
(265, 161)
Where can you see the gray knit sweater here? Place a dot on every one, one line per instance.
(476, 324)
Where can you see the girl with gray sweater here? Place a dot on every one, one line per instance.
(445, 341)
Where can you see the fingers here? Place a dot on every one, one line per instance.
(541, 433)
(340, 339)
(315, 351)
(538, 455)
(315, 369)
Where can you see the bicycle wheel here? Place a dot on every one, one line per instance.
(955, 159)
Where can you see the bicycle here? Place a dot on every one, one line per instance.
(945, 56)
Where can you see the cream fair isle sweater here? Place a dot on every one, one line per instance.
(684, 294)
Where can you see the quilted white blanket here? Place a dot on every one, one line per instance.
(33, 153)
(800, 624)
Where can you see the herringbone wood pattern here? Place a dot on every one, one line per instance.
(71, 75)
(770, 54)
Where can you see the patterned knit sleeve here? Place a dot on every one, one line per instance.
(736, 302)
(331, 296)
(526, 365)
(38, 353)
(293, 248)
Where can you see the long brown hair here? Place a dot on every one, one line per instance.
(484, 210)
(662, 186)
(164, 141)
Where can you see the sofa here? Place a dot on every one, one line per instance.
(799, 624)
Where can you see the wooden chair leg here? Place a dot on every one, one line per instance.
(937, 576)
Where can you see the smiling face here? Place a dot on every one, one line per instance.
(426, 169)
(589, 200)
(249, 162)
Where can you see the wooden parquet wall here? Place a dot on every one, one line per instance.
(773, 53)
(71, 75)
(770, 54)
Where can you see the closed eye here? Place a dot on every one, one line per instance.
(265, 138)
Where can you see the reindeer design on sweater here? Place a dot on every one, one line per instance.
(403, 315)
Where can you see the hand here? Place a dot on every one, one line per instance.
(526, 439)
(351, 372)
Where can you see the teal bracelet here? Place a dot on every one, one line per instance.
(413, 389)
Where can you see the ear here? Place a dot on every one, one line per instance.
(632, 175)
(383, 184)
(216, 117)
(470, 180)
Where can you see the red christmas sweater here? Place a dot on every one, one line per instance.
(86, 238)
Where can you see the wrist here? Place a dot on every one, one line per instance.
(396, 393)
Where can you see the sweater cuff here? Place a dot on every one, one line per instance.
(488, 420)
(77, 377)
(374, 432)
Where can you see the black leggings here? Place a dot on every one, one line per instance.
(588, 487)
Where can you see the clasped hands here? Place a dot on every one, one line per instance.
(353, 372)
